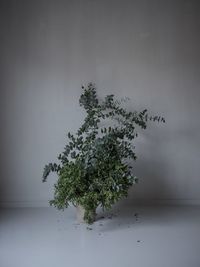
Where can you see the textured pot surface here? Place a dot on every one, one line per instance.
(80, 211)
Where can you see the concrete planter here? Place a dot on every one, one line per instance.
(80, 212)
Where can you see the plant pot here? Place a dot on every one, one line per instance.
(80, 214)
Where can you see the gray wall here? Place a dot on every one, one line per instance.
(147, 50)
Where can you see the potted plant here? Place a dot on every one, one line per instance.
(95, 167)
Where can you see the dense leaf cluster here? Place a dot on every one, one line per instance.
(95, 165)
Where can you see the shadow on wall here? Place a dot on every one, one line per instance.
(3, 184)
(151, 184)
(152, 166)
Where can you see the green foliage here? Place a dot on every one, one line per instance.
(96, 165)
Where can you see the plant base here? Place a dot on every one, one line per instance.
(83, 216)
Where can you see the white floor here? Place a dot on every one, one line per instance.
(137, 236)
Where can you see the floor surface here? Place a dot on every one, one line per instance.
(135, 236)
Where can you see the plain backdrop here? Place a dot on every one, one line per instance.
(145, 50)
